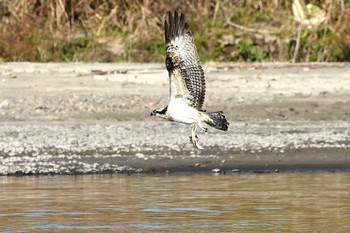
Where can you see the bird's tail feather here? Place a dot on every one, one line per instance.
(218, 120)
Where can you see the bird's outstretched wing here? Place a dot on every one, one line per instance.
(185, 71)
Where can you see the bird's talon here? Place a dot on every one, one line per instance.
(195, 142)
(197, 146)
(194, 138)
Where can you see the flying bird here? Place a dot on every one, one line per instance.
(187, 82)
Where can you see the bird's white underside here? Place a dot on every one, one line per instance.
(180, 111)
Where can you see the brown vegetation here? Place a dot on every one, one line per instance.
(132, 30)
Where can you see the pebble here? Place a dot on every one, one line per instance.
(5, 104)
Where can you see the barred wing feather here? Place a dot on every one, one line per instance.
(186, 74)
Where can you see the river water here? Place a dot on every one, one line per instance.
(288, 202)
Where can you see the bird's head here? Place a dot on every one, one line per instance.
(156, 112)
(159, 112)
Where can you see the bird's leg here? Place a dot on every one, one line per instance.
(202, 127)
(194, 137)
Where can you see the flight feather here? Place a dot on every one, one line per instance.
(185, 71)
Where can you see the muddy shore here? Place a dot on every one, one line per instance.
(94, 118)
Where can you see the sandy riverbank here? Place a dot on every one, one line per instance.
(91, 118)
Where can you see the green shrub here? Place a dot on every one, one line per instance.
(260, 30)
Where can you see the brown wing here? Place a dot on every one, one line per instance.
(182, 61)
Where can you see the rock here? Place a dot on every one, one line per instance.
(139, 170)
(216, 170)
(5, 104)
(227, 40)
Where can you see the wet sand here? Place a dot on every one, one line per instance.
(94, 118)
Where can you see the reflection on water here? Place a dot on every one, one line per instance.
(177, 203)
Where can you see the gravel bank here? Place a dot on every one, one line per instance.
(94, 118)
(138, 146)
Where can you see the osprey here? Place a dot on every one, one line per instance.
(187, 82)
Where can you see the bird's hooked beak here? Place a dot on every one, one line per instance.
(160, 112)
(153, 113)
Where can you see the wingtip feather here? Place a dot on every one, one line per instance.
(176, 25)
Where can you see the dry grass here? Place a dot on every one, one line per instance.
(132, 30)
